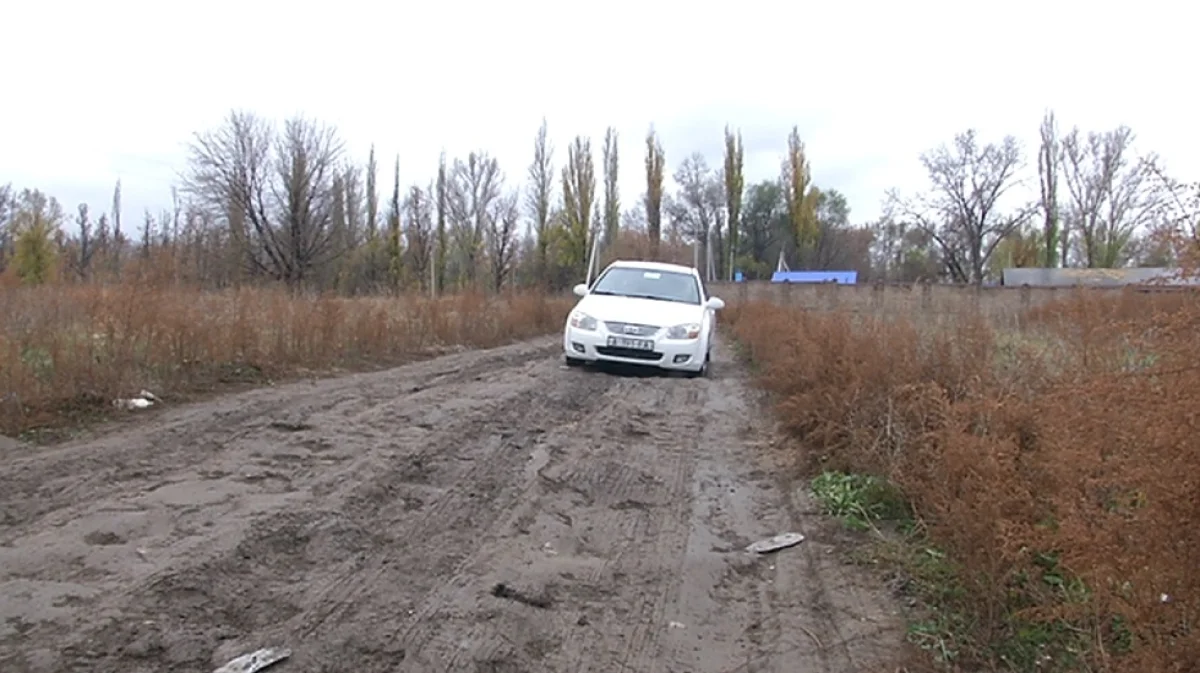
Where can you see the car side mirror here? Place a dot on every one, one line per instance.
(581, 290)
(715, 303)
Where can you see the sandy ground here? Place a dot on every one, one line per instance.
(485, 511)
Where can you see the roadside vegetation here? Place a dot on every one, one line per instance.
(1034, 489)
(67, 353)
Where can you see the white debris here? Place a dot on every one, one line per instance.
(676, 625)
(781, 541)
(255, 661)
(132, 403)
(143, 400)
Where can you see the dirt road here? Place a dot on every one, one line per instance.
(485, 511)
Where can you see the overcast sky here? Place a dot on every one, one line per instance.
(97, 91)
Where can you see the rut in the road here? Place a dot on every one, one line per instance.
(608, 510)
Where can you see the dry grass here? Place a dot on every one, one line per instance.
(1056, 465)
(67, 352)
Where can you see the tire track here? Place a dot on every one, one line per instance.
(33, 486)
(495, 463)
(424, 643)
(635, 492)
(669, 534)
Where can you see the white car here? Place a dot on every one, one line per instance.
(643, 313)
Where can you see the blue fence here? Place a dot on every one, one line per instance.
(839, 277)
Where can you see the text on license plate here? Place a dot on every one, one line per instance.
(636, 344)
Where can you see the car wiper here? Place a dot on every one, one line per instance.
(650, 296)
(604, 292)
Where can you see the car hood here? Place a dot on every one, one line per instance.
(640, 311)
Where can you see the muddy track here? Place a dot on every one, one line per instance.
(486, 511)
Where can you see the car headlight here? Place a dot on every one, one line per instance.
(689, 331)
(583, 321)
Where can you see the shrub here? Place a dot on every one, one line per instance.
(1057, 464)
(71, 349)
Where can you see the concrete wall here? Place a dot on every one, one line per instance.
(930, 302)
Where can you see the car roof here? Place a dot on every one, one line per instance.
(652, 266)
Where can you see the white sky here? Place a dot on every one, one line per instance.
(97, 91)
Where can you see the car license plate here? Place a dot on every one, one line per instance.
(635, 344)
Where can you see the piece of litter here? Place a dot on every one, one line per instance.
(676, 625)
(781, 541)
(144, 400)
(132, 404)
(255, 661)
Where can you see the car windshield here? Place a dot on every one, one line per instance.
(648, 284)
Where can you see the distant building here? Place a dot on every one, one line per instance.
(838, 277)
(1046, 277)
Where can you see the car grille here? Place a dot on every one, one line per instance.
(631, 353)
(633, 329)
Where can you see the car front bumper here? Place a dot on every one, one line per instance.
(671, 354)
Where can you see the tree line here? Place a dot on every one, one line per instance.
(260, 202)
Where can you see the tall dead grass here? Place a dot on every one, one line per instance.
(1058, 466)
(68, 349)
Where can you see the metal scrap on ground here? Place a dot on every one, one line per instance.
(255, 661)
(781, 541)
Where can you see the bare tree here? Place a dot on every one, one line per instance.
(147, 233)
(118, 235)
(963, 212)
(1181, 212)
(419, 230)
(281, 184)
(7, 208)
(612, 200)
(352, 182)
(655, 165)
(734, 187)
(1113, 194)
(372, 197)
(339, 230)
(474, 186)
(395, 250)
(87, 245)
(6, 205)
(539, 198)
(697, 210)
(1048, 170)
(103, 234)
(440, 242)
(579, 193)
(167, 231)
(502, 238)
(839, 245)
